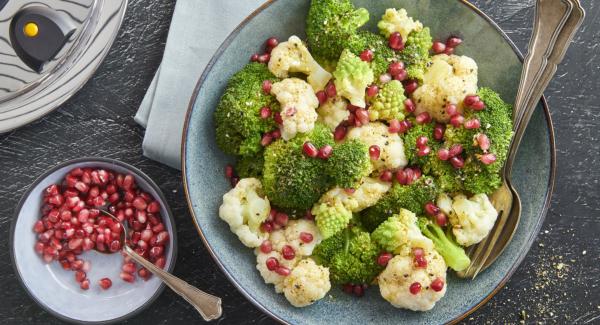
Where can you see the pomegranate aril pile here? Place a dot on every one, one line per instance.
(71, 223)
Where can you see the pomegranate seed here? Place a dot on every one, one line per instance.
(422, 141)
(418, 251)
(457, 162)
(157, 251)
(438, 131)
(127, 277)
(348, 288)
(266, 139)
(254, 57)
(141, 216)
(362, 115)
(431, 208)
(438, 47)
(139, 203)
(309, 149)
(384, 258)
(443, 154)
(146, 234)
(358, 290)
(350, 190)
(410, 175)
(423, 151)
(366, 55)
(272, 263)
(385, 78)
(75, 243)
(401, 76)
(266, 86)
(282, 270)
(386, 176)
(162, 238)
(483, 141)
(325, 152)
(410, 86)
(405, 125)
(449, 50)
(415, 288)
(441, 219)
(306, 237)
(82, 187)
(478, 106)
(85, 284)
(264, 58)
(39, 247)
(38, 227)
(472, 124)
(374, 152)
(160, 262)
(394, 126)
(455, 150)
(339, 133)
(322, 97)
(265, 112)
(52, 190)
(281, 219)
(453, 42)
(290, 111)
(420, 262)
(144, 273)
(437, 285)
(115, 246)
(288, 252)
(401, 177)
(266, 247)
(105, 283)
(488, 158)
(451, 110)
(470, 100)
(277, 118)
(87, 244)
(80, 276)
(423, 118)
(330, 90)
(395, 42)
(395, 67)
(409, 105)
(266, 227)
(276, 134)
(271, 42)
(309, 216)
(128, 267)
(234, 181)
(372, 90)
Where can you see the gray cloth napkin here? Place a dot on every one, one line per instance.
(197, 29)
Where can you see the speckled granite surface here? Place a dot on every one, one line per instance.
(557, 283)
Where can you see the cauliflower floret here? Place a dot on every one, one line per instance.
(298, 103)
(398, 21)
(295, 228)
(293, 56)
(401, 273)
(333, 112)
(272, 277)
(400, 233)
(244, 208)
(448, 80)
(307, 283)
(390, 145)
(367, 194)
(472, 219)
(444, 202)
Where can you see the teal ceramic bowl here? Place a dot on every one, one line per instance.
(499, 67)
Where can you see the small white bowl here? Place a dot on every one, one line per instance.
(54, 288)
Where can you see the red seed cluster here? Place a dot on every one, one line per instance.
(357, 290)
(396, 42)
(264, 57)
(72, 223)
(448, 47)
(408, 175)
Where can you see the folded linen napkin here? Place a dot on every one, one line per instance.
(197, 29)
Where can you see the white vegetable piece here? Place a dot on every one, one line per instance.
(298, 103)
(293, 56)
(390, 145)
(366, 195)
(272, 277)
(447, 81)
(333, 112)
(401, 272)
(307, 283)
(244, 208)
(295, 228)
(472, 219)
(398, 21)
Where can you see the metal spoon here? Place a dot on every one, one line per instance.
(206, 304)
(555, 25)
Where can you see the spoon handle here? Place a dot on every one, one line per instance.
(206, 304)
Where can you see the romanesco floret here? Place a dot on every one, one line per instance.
(351, 256)
(352, 76)
(239, 127)
(416, 53)
(410, 197)
(390, 145)
(472, 219)
(367, 194)
(401, 272)
(307, 283)
(349, 163)
(293, 56)
(291, 179)
(383, 55)
(331, 219)
(398, 21)
(333, 112)
(447, 80)
(389, 102)
(298, 103)
(329, 24)
(400, 233)
(454, 255)
(244, 208)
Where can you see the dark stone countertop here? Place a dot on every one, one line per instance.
(557, 283)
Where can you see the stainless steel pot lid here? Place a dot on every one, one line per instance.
(48, 50)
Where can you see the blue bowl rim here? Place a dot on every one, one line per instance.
(242, 290)
(137, 172)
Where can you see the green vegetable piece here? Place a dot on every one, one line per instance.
(383, 55)
(389, 102)
(250, 166)
(453, 254)
(410, 142)
(416, 53)
(352, 76)
(331, 219)
(349, 163)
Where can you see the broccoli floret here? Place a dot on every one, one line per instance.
(454, 255)
(416, 53)
(383, 55)
(250, 166)
(410, 142)
(352, 76)
(448, 179)
(389, 102)
(239, 127)
(351, 256)
(329, 25)
(290, 178)
(400, 233)
(410, 197)
(331, 219)
(349, 163)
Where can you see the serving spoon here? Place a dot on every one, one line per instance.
(206, 304)
(555, 25)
